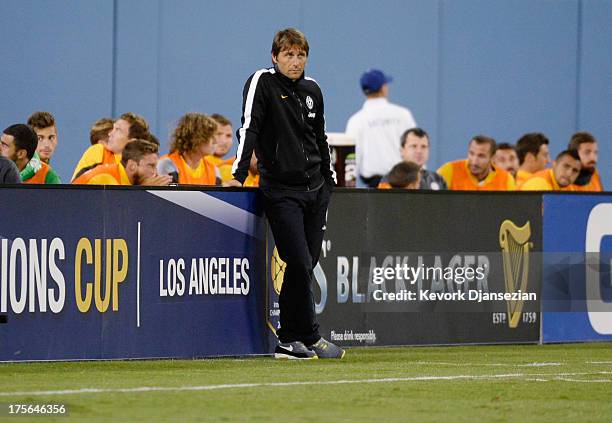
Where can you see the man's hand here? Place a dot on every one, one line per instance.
(157, 181)
(232, 183)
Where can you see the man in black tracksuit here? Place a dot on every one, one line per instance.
(283, 123)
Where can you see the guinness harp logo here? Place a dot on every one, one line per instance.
(277, 270)
(515, 245)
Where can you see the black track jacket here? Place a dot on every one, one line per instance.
(283, 121)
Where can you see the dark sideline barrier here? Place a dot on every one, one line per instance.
(105, 273)
(434, 238)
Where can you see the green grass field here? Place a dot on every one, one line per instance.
(551, 383)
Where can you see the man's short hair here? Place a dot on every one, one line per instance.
(139, 128)
(152, 138)
(530, 143)
(100, 130)
(192, 130)
(24, 138)
(570, 152)
(483, 139)
(418, 132)
(41, 120)
(580, 138)
(403, 174)
(220, 119)
(288, 38)
(136, 149)
(505, 146)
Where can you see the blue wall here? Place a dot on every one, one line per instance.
(463, 66)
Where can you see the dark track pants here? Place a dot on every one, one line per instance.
(297, 220)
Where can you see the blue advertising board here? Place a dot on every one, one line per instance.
(90, 273)
(576, 282)
(125, 272)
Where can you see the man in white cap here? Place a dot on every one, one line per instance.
(377, 129)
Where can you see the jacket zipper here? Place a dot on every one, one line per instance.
(303, 125)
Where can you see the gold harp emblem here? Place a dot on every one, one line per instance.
(277, 270)
(515, 245)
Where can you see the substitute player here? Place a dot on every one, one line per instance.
(283, 121)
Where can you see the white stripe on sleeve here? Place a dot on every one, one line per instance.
(248, 109)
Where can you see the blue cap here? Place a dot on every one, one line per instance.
(373, 79)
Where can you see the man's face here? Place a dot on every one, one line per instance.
(543, 157)
(47, 142)
(415, 149)
(566, 170)
(119, 136)
(588, 153)
(8, 150)
(7, 146)
(506, 159)
(223, 138)
(146, 168)
(479, 159)
(291, 62)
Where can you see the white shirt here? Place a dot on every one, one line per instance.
(377, 129)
